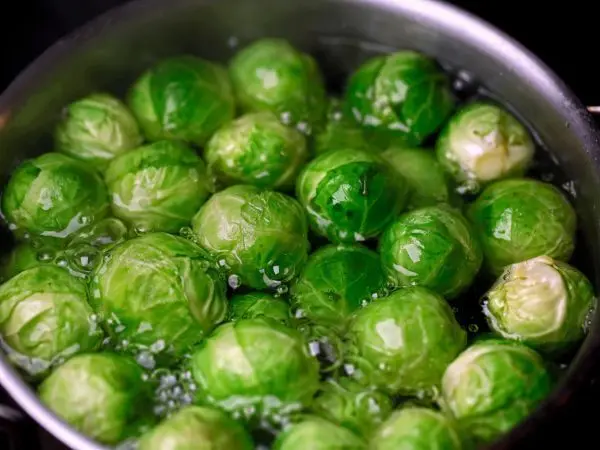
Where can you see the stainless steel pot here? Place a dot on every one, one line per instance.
(111, 51)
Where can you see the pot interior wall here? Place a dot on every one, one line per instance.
(111, 53)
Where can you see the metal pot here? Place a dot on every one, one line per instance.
(111, 51)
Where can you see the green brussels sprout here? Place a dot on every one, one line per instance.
(417, 428)
(45, 317)
(158, 289)
(255, 367)
(28, 254)
(256, 149)
(482, 143)
(433, 247)
(258, 235)
(102, 395)
(348, 404)
(197, 428)
(336, 281)
(520, 219)
(318, 434)
(257, 304)
(542, 302)
(158, 187)
(403, 343)
(340, 132)
(404, 97)
(428, 183)
(182, 98)
(96, 129)
(271, 75)
(54, 195)
(350, 195)
(492, 386)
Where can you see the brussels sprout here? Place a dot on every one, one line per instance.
(197, 428)
(159, 290)
(348, 404)
(28, 254)
(403, 343)
(259, 236)
(318, 434)
(96, 129)
(102, 395)
(482, 143)
(340, 132)
(45, 317)
(54, 195)
(256, 149)
(492, 386)
(182, 98)
(542, 302)
(403, 96)
(433, 247)
(417, 428)
(271, 75)
(428, 183)
(158, 187)
(336, 281)
(256, 367)
(520, 219)
(350, 195)
(257, 304)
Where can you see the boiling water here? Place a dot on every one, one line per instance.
(174, 387)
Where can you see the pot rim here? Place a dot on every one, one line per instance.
(438, 11)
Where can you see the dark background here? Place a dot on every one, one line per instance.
(563, 35)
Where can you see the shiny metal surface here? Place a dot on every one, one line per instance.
(110, 52)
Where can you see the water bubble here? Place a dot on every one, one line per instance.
(350, 369)
(286, 118)
(45, 256)
(62, 262)
(146, 360)
(473, 327)
(282, 289)
(314, 348)
(168, 380)
(158, 346)
(162, 396)
(233, 42)
(234, 281)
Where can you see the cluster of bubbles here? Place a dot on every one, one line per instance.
(174, 389)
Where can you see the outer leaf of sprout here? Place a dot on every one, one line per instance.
(403, 343)
(259, 236)
(102, 395)
(492, 386)
(520, 219)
